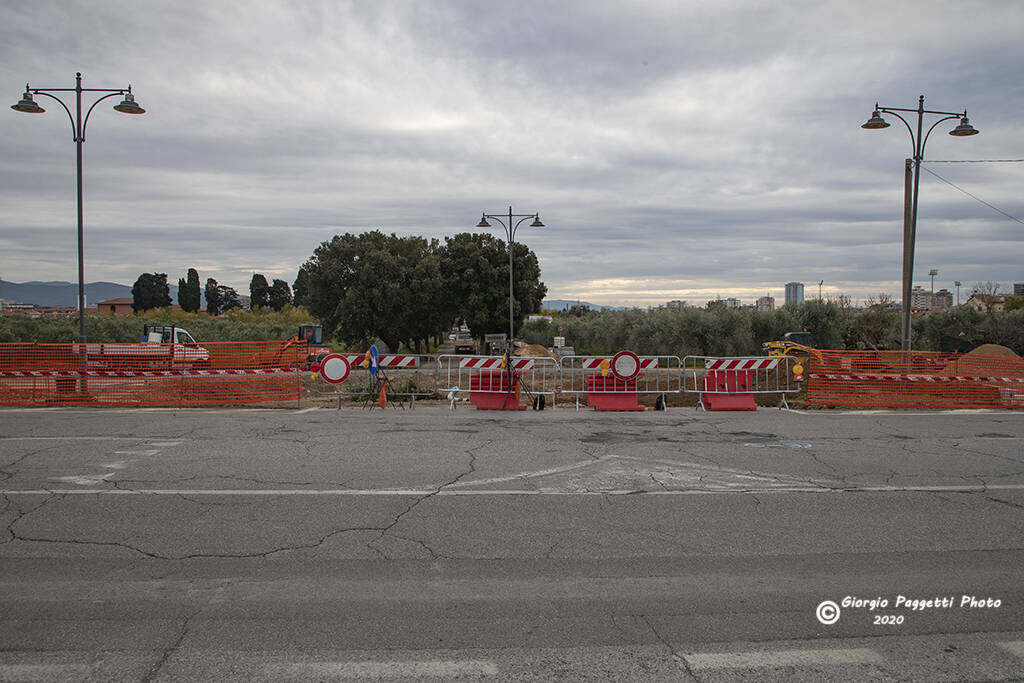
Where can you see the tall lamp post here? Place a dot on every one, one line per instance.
(510, 231)
(957, 283)
(913, 166)
(78, 124)
(932, 273)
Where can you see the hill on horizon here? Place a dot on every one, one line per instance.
(61, 293)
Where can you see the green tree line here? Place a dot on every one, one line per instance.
(721, 331)
(237, 325)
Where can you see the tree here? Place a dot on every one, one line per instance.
(280, 294)
(375, 285)
(300, 291)
(188, 292)
(150, 291)
(228, 298)
(259, 292)
(212, 297)
(475, 270)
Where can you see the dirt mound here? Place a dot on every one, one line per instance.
(992, 350)
(988, 360)
(533, 351)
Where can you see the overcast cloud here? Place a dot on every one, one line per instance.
(674, 150)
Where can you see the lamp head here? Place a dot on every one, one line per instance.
(536, 222)
(876, 121)
(964, 128)
(128, 105)
(27, 104)
(483, 222)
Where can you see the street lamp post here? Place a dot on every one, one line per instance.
(510, 232)
(932, 273)
(78, 124)
(957, 283)
(917, 142)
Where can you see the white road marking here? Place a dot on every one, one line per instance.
(1014, 647)
(69, 438)
(305, 410)
(531, 474)
(499, 492)
(781, 658)
(146, 453)
(445, 670)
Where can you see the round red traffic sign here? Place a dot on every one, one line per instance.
(335, 368)
(625, 365)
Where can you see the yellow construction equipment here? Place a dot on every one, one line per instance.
(796, 344)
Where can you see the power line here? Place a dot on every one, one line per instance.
(978, 199)
(974, 161)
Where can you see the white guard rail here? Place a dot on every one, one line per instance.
(743, 374)
(458, 376)
(658, 375)
(408, 376)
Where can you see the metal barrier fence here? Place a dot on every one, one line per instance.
(458, 376)
(150, 374)
(705, 375)
(407, 376)
(915, 379)
(658, 375)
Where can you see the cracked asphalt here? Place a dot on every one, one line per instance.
(160, 545)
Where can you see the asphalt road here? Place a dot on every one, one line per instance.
(173, 545)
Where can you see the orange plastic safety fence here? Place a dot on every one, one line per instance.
(138, 374)
(915, 379)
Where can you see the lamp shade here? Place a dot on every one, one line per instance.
(27, 105)
(876, 121)
(128, 105)
(964, 128)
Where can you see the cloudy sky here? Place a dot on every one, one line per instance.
(674, 149)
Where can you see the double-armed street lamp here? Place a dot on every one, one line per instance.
(78, 125)
(913, 168)
(514, 221)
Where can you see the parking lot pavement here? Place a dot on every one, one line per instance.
(685, 543)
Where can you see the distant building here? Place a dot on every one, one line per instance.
(1018, 288)
(987, 303)
(121, 306)
(674, 305)
(942, 299)
(920, 299)
(794, 293)
(765, 303)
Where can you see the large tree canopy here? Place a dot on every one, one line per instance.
(150, 291)
(476, 274)
(376, 285)
(407, 289)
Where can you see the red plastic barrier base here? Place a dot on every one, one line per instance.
(488, 390)
(733, 386)
(611, 394)
(729, 402)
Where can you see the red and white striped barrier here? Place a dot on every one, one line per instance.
(914, 378)
(741, 363)
(595, 363)
(491, 363)
(388, 361)
(143, 373)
